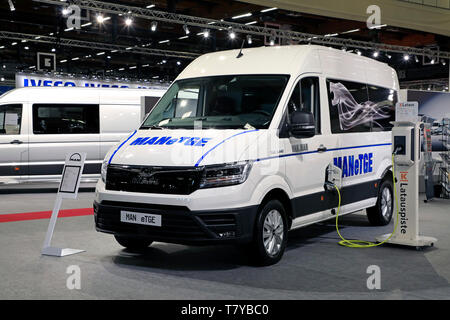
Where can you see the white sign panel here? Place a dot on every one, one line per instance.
(71, 176)
(33, 80)
(68, 188)
(407, 112)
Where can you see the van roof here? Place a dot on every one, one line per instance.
(79, 95)
(293, 60)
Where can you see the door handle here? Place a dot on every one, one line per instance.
(322, 148)
(16, 142)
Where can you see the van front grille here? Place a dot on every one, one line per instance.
(144, 179)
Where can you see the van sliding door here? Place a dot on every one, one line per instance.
(13, 144)
(58, 129)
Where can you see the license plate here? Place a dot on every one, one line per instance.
(140, 218)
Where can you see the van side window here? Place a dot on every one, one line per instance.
(10, 119)
(306, 97)
(385, 100)
(65, 118)
(350, 108)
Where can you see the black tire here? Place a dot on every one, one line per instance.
(258, 250)
(375, 214)
(133, 243)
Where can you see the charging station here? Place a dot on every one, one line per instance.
(406, 149)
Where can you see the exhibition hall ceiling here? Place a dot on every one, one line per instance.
(159, 50)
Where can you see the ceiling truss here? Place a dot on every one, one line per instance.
(290, 36)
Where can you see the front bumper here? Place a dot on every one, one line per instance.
(179, 224)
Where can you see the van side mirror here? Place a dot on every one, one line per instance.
(302, 124)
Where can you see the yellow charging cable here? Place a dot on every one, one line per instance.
(362, 243)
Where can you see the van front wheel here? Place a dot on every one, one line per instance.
(381, 213)
(133, 243)
(271, 232)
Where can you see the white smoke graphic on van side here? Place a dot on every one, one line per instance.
(351, 113)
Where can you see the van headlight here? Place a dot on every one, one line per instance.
(225, 175)
(104, 170)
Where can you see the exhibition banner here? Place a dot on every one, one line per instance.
(41, 80)
(433, 106)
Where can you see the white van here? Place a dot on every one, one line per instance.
(38, 126)
(237, 150)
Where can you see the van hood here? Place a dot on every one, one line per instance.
(184, 148)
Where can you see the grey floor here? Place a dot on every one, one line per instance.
(313, 267)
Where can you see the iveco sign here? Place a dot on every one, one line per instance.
(33, 80)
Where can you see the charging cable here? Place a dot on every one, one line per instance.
(362, 243)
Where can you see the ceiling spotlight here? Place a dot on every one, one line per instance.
(416, 58)
(406, 57)
(100, 18)
(11, 5)
(249, 39)
(53, 49)
(358, 52)
(443, 62)
(432, 61)
(272, 40)
(232, 35)
(128, 21)
(206, 33)
(153, 26)
(186, 29)
(178, 63)
(376, 54)
(65, 11)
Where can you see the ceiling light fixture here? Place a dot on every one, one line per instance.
(272, 41)
(128, 21)
(242, 16)
(153, 26)
(100, 18)
(11, 6)
(186, 29)
(269, 9)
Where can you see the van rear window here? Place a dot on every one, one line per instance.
(358, 107)
(10, 119)
(65, 118)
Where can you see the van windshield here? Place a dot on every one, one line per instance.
(220, 102)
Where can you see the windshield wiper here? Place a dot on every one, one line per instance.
(153, 127)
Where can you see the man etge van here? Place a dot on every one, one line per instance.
(237, 150)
